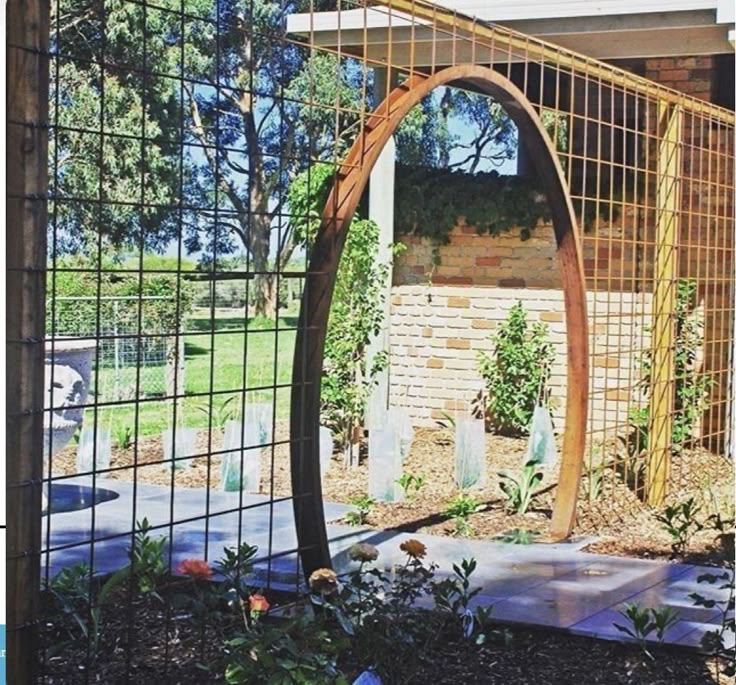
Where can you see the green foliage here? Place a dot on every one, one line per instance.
(410, 483)
(83, 598)
(680, 521)
(516, 372)
(430, 201)
(369, 619)
(297, 652)
(77, 278)
(235, 567)
(459, 509)
(715, 641)
(123, 433)
(520, 488)
(595, 478)
(357, 309)
(363, 504)
(220, 414)
(692, 389)
(517, 536)
(643, 621)
(147, 559)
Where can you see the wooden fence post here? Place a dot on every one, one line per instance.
(26, 217)
(662, 373)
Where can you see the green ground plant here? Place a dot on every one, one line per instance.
(85, 599)
(521, 487)
(411, 484)
(363, 505)
(516, 372)
(123, 434)
(681, 523)
(645, 621)
(716, 641)
(459, 509)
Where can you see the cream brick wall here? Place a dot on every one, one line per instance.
(437, 332)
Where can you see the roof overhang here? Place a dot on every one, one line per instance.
(603, 29)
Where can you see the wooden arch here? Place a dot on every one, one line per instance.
(348, 187)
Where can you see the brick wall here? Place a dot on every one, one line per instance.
(507, 261)
(437, 332)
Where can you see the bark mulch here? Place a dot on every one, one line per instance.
(623, 524)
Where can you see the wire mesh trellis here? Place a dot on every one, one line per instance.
(176, 128)
(122, 355)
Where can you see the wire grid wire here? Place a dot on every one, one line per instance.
(637, 152)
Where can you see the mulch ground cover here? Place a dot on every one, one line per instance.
(621, 522)
(144, 644)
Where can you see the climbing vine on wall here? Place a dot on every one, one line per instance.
(430, 201)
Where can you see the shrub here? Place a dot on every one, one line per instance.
(691, 392)
(516, 372)
(77, 278)
(357, 309)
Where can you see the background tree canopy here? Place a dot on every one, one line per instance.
(192, 133)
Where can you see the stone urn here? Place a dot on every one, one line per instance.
(68, 370)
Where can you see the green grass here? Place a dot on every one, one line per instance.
(214, 353)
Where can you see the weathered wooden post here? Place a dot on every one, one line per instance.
(27, 185)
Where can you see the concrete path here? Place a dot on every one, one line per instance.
(554, 585)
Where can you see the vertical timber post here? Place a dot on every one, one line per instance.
(26, 216)
(662, 388)
(381, 210)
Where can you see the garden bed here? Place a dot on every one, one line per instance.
(146, 642)
(620, 521)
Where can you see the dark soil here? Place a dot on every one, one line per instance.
(623, 524)
(161, 647)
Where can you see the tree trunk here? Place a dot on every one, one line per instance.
(265, 295)
(264, 281)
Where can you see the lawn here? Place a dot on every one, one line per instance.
(222, 355)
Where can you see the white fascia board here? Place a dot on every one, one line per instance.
(726, 12)
(503, 11)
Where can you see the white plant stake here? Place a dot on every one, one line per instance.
(384, 465)
(402, 421)
(542, 448)
(470, 453)
(260, 414)
(94, 450)
(241, 468)
(183, 447)
(325, 450)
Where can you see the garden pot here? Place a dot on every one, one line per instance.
(68, 371)
(470, 453)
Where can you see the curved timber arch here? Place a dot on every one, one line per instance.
(350, 182)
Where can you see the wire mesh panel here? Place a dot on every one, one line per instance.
(205, 160)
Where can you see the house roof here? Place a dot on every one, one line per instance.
(605, 29)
